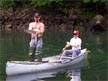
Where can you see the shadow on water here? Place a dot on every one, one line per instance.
(73, 72)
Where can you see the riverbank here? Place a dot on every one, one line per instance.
(54, 20)
(19, 19)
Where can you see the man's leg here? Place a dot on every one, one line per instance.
(38, 51)
(75, 53)
(32, 50)
(31, 54)
(66, 53)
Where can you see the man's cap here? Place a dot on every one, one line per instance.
(76, 32)
(37, 15)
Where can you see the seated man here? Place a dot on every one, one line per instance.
(75, 42)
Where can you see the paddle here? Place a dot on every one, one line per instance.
(65, 59)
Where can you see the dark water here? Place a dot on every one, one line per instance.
(14, 45)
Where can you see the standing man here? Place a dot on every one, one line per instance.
(75, 43)
(36, 42)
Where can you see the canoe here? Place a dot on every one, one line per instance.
(23, 67)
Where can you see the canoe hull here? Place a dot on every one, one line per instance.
(21, 68)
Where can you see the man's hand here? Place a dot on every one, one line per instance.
(67, 43)
(63, 49)
(66, 46)
(30, 31)
(37, 31)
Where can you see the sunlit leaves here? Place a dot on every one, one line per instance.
(6, 3)
(44, 2)
(39, 3)
(86, 1)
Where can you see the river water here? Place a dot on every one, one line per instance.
(14, 45)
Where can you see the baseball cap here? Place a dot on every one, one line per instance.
(37, 15)
(76, 32)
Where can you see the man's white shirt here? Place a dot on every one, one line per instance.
(77, 42)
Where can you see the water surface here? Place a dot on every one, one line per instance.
(14, 45)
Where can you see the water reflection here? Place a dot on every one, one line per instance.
(75, 71)
(31, 77)
(75, 74)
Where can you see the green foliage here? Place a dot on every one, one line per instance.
(6, 3)
(43, 2)
(94, 1)
(39, 3)
(86, 1)
(34, 3)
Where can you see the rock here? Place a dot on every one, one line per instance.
(99, 23)
(8, 26)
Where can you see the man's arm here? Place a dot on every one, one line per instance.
(30, 31)
(67, 45)
(30, 28)
(42, 29)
